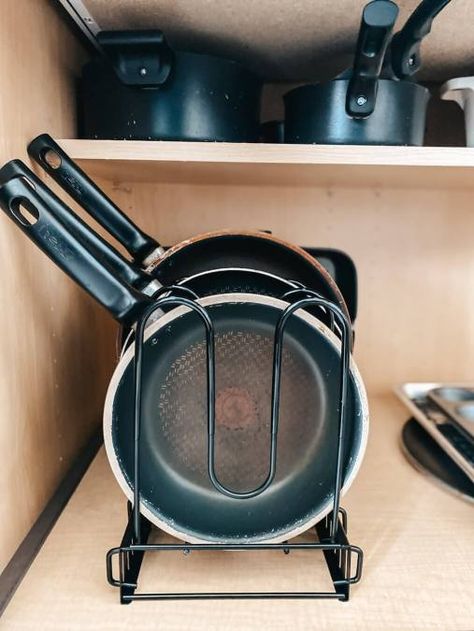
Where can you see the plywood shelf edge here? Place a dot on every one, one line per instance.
(399, 529)
(249, 153)
(240, 163)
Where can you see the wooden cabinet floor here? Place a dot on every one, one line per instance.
(417, 539)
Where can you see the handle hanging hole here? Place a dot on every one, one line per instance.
(52, 158)
(24, 212)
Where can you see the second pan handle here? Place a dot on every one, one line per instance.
(406, 44)
(102, 250)
(72, 179)
(31, 214)
(378, 19)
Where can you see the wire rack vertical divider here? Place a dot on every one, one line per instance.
(330, 533)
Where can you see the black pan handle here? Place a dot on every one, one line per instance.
(378, 19)
(72, 179)
(406, 44)
(28, 211)
(102, 250)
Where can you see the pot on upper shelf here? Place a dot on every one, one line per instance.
(142, 89)
(375, 102)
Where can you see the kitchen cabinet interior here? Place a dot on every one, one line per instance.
(403, 214)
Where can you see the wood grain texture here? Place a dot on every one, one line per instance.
(277, 165)
(412, 249)
(298, 40)
(419, 561)
(260, 153)
(55, 351)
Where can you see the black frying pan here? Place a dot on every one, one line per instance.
(216, 250)
(177, 493)
(226, 280)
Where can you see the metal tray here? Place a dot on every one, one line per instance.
(456, 443)
(458, 403)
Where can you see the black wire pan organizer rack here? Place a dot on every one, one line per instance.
(344, 560)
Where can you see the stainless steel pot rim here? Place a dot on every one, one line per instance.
(145, 509)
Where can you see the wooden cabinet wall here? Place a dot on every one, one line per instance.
(412, 248)
(56, 346)
(410, 237)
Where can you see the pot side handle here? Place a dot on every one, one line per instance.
(142, 59)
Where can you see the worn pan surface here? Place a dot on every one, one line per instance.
(176, 492)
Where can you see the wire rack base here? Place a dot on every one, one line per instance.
(340, 556)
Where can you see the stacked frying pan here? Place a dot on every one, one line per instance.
(241, 282)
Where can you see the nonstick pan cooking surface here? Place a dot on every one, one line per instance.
(176, 491)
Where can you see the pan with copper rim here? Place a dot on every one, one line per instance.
(210, 251)
(225, 280)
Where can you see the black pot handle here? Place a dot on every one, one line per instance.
(102, 250)
(406, 44)
(27, 209)
(72, 179)
(139, 58)
(378, 19)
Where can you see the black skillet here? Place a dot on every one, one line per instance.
(210, 251)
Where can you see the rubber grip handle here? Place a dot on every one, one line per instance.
(102, 250)
(26, 208)
(406, 44)
(72, 179)
(378, 19)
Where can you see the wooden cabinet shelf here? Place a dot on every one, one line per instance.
(275, 165)
(417, 541)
